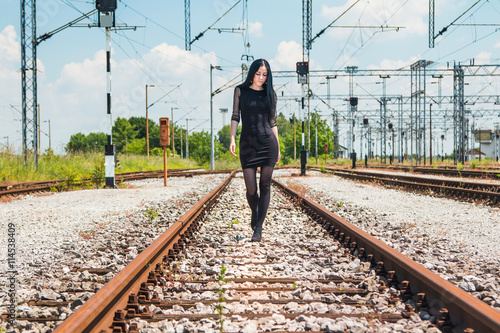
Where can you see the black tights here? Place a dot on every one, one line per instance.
(258, 205)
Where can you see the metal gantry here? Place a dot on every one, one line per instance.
(29, 81)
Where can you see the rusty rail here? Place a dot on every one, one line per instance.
(48, 185)
(445, 171)
(460, 189)
(464, 310)
(99, 312)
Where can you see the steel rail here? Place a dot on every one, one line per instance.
(494, 197)
(492, 173)
(464, 310)
(97, 313)
(489, 187)
(47, 185)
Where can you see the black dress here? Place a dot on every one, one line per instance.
(258, 144)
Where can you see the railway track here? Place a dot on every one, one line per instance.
(65, 184)
(314, 271)
(444, 171)
(487, 193)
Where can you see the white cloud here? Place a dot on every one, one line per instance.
(255, 29)
(287, 56)
(10, 49)
(497, 45)
(483, 58)
(412, 15)
(76, 100)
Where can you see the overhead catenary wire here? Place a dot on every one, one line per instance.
(455, 20)
(171, 32)
(203, 32)
(333, 22)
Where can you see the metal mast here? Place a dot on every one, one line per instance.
(306, 48)
(187, 16)
(247, 56)
(431, 23)
(352, 108)
(418, 98)
(459, 122)
(29, 80)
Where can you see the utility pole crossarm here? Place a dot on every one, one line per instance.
(455, 20)
(61, 28)
(203, 32)
(331, 24)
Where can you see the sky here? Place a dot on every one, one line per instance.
(72, 74)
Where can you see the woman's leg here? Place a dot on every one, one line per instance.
(266, 174)
(250, 177)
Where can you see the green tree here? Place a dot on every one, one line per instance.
(123, 133)
(199, 147)
(97, 141)
(137, 146)
(139, 124)
(224, 136)
(77, 143)
(154, 135)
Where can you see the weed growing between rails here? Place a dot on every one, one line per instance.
(151, 213)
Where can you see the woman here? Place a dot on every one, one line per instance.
(255, 102)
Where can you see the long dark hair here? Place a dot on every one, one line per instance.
(268, 85)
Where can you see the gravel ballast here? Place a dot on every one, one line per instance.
(56, 233)
(457, 240)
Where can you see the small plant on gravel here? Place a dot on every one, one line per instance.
(70, 175)
(87, 234)
(460, 166)
(299, 188)
(97, 175)
(151, 213)
(231, 223)
(340, 204)
(221, 280)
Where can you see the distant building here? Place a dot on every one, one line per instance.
(487, 143)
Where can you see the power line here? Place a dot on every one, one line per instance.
(171, 32)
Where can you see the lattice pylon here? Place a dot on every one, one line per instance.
(29, 81)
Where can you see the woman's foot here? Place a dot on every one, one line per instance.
(257, 235)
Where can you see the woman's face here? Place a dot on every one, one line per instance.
(260, 77)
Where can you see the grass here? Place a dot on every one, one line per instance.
(73, 167)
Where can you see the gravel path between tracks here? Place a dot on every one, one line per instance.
(293, 247)
(88, 228)
(457, 240)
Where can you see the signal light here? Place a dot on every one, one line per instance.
(105, 5)
(365, 121)
(390, 126)
(302, 68)
(353, 101)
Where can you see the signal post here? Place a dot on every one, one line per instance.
(164, 142)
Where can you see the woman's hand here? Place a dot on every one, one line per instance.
(232, 148)
(279, 157)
